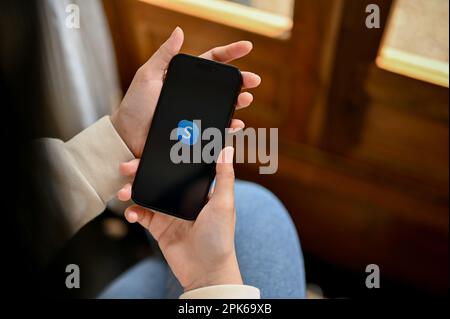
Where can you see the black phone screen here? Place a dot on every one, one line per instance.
(195, 91)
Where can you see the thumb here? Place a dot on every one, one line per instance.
(224, 187)
(160, 60)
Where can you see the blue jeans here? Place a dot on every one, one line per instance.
(267, 247)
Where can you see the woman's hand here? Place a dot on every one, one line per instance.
(133, 117)
(200, 253)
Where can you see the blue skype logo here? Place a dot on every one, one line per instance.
(188, 132)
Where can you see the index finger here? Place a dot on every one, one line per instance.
(228, 52)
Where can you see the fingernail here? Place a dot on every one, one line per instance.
(131, 216)
(233, 130)
(176, 28)
(249, 42)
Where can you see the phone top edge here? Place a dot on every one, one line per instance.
(230, 66)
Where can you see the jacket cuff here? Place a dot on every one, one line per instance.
(98, 151)
(223, 292)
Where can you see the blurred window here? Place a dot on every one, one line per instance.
(266, 17)
(416, 40)
(280, 7)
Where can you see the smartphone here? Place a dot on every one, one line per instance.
(197, 94)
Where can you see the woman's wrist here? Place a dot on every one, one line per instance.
(121, 128)
(228, 274)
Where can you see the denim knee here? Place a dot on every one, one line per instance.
(257, 207)
(267, 244)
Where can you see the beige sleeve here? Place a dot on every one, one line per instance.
(83, 173)
(223, 292)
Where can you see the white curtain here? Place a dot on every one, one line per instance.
(80, 73)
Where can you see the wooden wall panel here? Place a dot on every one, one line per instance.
(363, 157)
